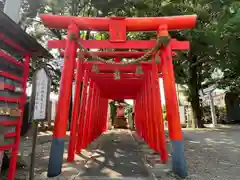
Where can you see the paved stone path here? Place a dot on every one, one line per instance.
(116, 157)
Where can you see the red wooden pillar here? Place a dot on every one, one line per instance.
(105, 114)
(155, 112)
(152, 113)
(75, 112)
(82, 122)
(96, 109)
(14, 153)
(57, 148)
(149, 110)
(90, 117)
(87, 119)
(174, 126)
(136, 117)
(103, 105)
(147, 118)
(141, 126)
(143, 117)
(147, 114)
(159, 115)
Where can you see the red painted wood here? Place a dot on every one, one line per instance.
(117, 30)
(174, 126)
(82, 122)
(9, 123)
(159, 114)
(75, 112)
(133, 24)
(115, 54)
(10, 134)
(130, 44)
(65, 91)
(14, 152)
(10, 76)
(111, 75)
(7, 147)
(12, 44)
(13, 100)
(10, 59)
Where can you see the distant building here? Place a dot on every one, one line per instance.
(182, 95)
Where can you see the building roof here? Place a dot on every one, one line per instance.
(14, 32)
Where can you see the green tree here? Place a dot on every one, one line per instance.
(214, 41)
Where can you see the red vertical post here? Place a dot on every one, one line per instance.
(90, 119)
(92, 113)
(153, 111)
(147, 117)
(149, 108)
(95, 115)
(105, 114)
(159, 115)
(136, 117)
(141, 126)
(87, 119)
(146, 110)
(14, 153)
(81, 121)
(174, 127)
(75, 112)
(60, 127)
(143, 118)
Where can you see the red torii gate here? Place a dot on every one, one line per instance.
(143, 88)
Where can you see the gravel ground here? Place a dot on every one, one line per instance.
(210, 155)
(213, 154)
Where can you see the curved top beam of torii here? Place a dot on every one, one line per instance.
(132, 24)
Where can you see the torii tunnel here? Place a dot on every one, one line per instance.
(117, 81)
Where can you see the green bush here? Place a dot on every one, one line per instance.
(220, 114)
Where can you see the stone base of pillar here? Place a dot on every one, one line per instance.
(179, 165)
(56, 157)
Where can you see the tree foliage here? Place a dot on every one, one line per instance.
(214, 41)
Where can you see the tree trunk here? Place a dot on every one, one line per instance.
(194, 87)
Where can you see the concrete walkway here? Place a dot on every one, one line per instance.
(116, 157)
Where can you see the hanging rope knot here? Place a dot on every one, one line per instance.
(95, 68)
(80, 54)
(163, 35)
(139, 70)
(117, 75)
(73, 36)
(157, 59)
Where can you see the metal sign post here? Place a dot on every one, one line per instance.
(39, 106)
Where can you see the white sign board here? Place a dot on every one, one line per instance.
(206, 91)
(209, 89)
(41, 95)
(182, 114)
